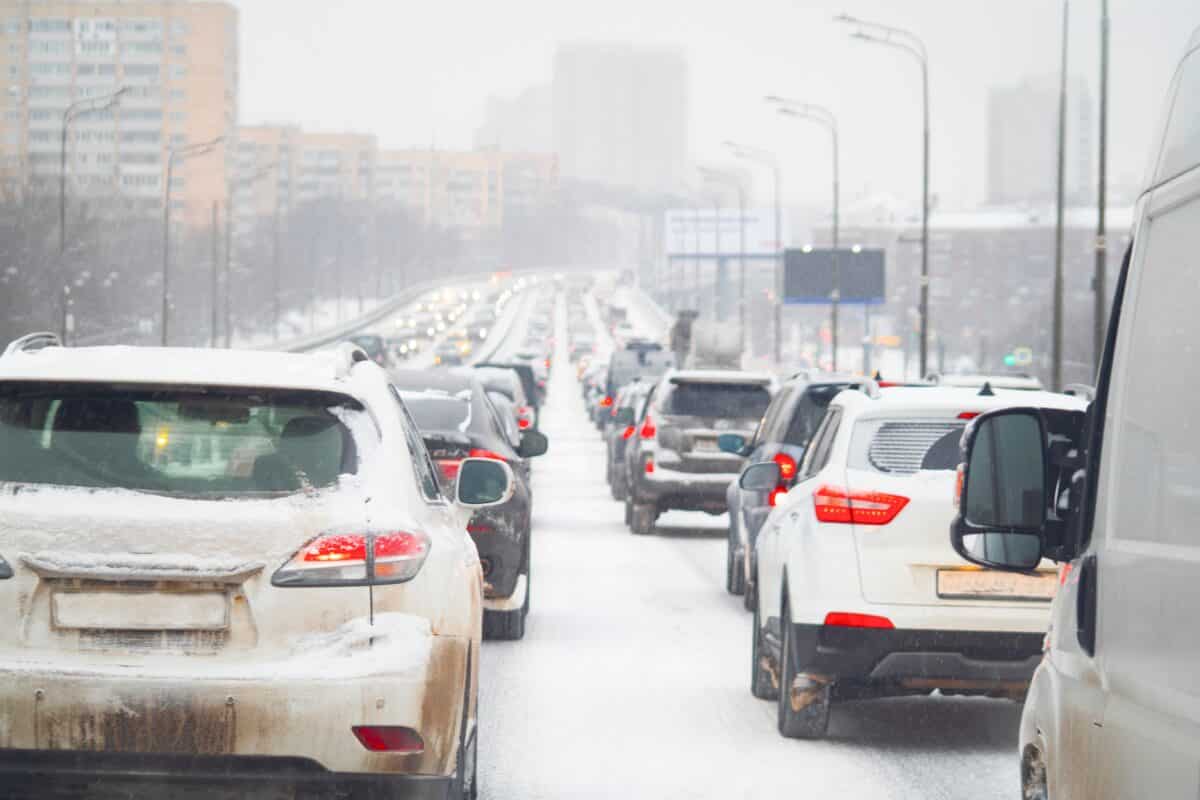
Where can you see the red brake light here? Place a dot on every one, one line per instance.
(480, 453)
(835, 504)
(775, 494)
(968, 415)
(628, 432)
(389, 739)
(449, 468)
(606, 401)
(648, 430)
(341, 559)
(649, 466)
(524, 424)
(787, 466)
(842, 619)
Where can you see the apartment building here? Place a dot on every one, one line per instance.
(174, 64)
(472, 190)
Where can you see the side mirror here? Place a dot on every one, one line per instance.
(733, 443)
(483, 482)
(1002, 491)
(762, 477)
(625, 417)
(533, 444)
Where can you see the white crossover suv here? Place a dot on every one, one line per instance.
(231, 567)
(860, 593)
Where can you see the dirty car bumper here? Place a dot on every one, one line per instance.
(52, 774)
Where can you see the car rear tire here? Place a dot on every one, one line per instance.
(761, 685)
(619, 489)
(643, 516)
(750, 596)
(801, 715)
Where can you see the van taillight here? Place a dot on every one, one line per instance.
(388, 738)
(835, 504)
(648, 430)
(844, 619)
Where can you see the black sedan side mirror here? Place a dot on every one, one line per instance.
(1002, 492)
(533, 444)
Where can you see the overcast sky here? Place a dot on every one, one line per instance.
(419, 72)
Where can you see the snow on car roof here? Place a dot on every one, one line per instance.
(901, 399)
(178, 365)
(719, 376)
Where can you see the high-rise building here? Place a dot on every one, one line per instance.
(1022, 130)
(621, 115)
(523, 123)
(177, 64)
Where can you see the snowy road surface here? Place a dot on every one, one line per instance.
(632, 680)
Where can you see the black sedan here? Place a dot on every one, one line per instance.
(457, 420)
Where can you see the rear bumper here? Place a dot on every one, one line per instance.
(919, 658)
(299, 709)
(49, 774)
(684, 491)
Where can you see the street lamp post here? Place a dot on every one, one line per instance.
(731, 179)
(824, 117)
(765, 158)
(1100, 283)
(910, 43)
(182, 153)
(70, 113)
(1057, 329)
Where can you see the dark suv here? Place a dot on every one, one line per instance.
(676, 463)
(631, 399)
(784, 433)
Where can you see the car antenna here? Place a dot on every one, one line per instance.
(986, 391)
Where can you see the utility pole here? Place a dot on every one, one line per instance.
(1057, 331)
(1100, 282)
(216, 259)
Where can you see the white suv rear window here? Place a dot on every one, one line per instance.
(905, 446)
(175, 441)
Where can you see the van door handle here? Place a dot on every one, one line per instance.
(1085, 605)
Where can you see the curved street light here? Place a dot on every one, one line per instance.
(70, 114)
(183, 153)
(909, 42)
(825, 118)
(766, 158)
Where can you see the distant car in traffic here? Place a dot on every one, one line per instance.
(627, 408)
(374, 346)
(781, 437)
(448, 354)
(675, 461)
(458, 421)
(208, 540)
(859, 593)
(507, 382)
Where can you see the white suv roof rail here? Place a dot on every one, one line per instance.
(32, 342)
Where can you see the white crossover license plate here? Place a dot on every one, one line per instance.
(988, 584)
(141, 611)
(706, 446)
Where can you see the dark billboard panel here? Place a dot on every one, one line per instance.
(808, 276)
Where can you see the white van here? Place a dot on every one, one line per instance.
(1114, 496)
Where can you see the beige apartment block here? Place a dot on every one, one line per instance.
(279, 167)
(470, 190)
(177, 64)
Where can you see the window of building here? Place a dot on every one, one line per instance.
(49, 25)
(142, 48)
(96, 48)
(178, 116)
(179, 50)
(178, 95)
(139, 158)
(141, 70)
(178, 139)
(178, 71)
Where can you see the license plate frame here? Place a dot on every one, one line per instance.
(990, 584)
(705, 446)
(85, 609)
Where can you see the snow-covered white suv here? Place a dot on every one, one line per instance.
(228, 566)
(860, 593)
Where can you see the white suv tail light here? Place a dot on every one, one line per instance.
(356, 559)
(836, 504)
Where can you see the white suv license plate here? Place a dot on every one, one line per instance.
(133, 611)
(989, 584)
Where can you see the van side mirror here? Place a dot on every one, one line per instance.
(533, 444)
(1002, 491)
(762, 477)
(624, 417)
(483, 482)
